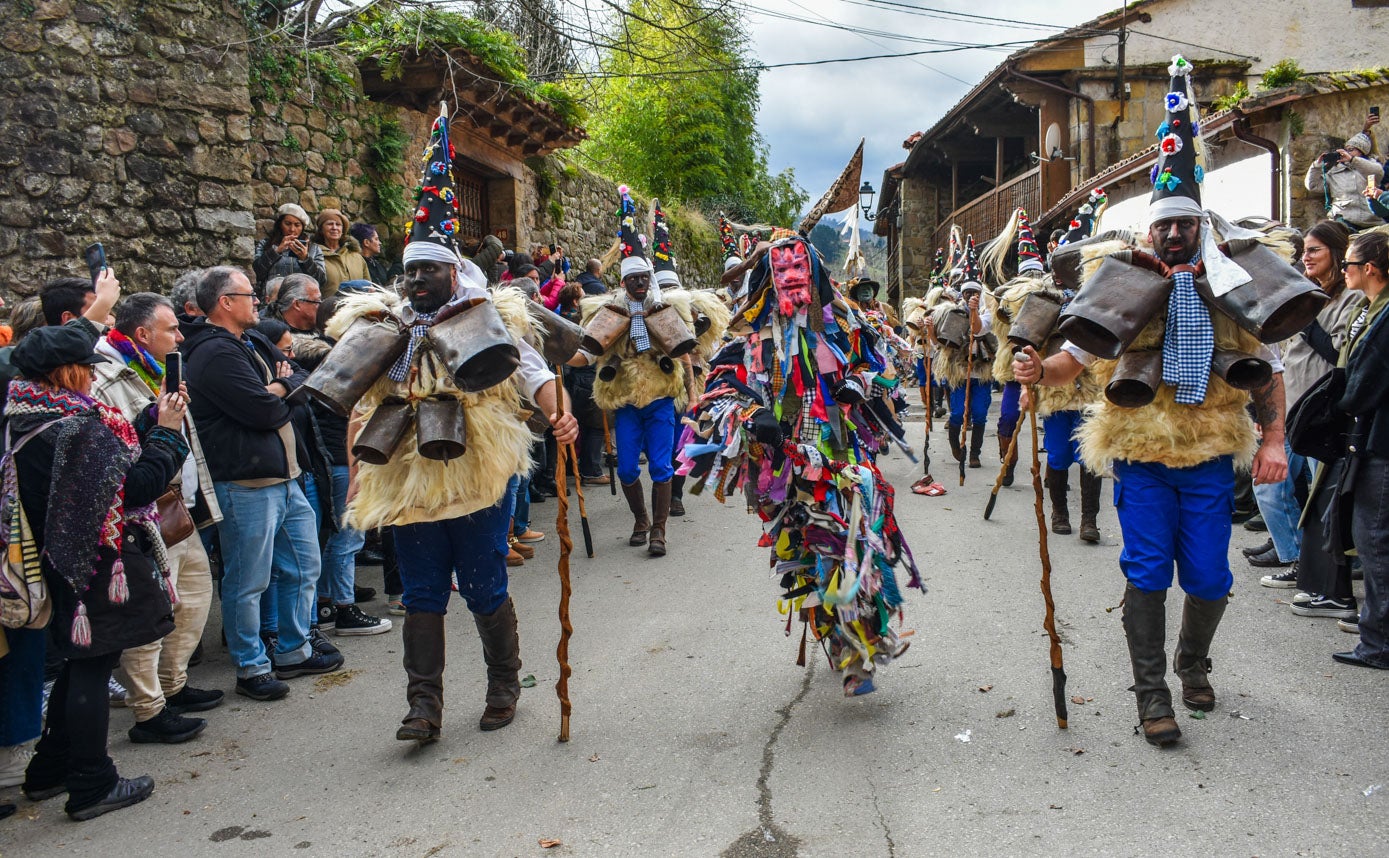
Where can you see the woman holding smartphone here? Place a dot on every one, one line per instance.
(288, 249)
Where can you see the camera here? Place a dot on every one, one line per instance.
(1330, 159)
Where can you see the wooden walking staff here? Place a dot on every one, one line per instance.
(1058, 669)
(609, 455)
(566, 547)
(1002, 469)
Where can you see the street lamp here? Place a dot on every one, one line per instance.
(865, 200)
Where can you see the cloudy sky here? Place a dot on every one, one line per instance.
(813, 116)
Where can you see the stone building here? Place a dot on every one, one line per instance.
(1045, 125)
(158, 128)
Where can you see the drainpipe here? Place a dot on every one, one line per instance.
(1275, 177)
(1070, 93)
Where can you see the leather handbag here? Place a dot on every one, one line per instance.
(175, 524)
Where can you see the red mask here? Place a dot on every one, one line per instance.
(791, 274)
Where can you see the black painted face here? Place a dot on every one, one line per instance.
(863, 294)
(428, 284)
(637, 285)
(1176, 240)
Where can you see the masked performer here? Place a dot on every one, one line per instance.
(965, 359)
(788, 419)
(641, 337)
(436, 438)
(1185, 321)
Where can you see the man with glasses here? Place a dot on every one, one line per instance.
(241, 381)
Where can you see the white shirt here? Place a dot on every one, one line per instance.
(535, 373)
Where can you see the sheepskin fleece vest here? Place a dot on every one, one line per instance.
(410, 489)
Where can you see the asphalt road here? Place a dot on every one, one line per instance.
(695, 733)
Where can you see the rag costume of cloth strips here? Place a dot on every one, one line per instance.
(1189, 340)
(792, 415)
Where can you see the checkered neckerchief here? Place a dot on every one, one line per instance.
(401, 368)
(1189, 340)
(638, 330)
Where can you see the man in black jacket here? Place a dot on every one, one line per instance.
(253, 456)
(591, 280)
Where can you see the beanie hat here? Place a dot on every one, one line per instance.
(1361, 141)
(295, 211)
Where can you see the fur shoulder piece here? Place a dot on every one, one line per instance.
(355, 305)
(719, 317)
(590, 304)
(511, 306)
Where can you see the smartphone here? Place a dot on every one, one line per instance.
(1374, 110)
(173, 372)
(95, 255)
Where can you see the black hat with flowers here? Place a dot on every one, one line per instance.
(1178, 173)
(436, 204)
(663, 254)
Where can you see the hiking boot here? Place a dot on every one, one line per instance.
(166, 728)
(126, 792)
(1090, 486)
(1323, 606)
(312, 666)
(190, 699)
(351, 621)
(1160, 732)
(262, 687)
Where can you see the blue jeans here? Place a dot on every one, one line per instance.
(980, 396)
(650, 430)
(1278, 504)
(1059, 436)
(338, 580)
(1176, 515)
(520, 490)
(473, 548)
(265, 529)
(21, 686)
(1009, 410)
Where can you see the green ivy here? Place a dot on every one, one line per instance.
(556, 213)
(1234, 99)
(385, 162)
(280, 70)
(386, 37)
(291, 143)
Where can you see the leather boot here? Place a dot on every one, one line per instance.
(1091, 485)
(952, 431)
(1058, 484)
(636, 501)
(1011, 464)
(660, 511)
(1200, 618)
(423, 640)
(677, 496)
(1145, 626)
(501, 650)
(976, 444)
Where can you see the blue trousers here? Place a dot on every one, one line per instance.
(649, 430)
(1008, 409)
(980, 397)
(21, 686)
(1176, 515)
(339, 578)
(471, 548)
(1059, 436)
(520, 491)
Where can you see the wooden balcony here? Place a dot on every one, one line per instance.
(984, 217)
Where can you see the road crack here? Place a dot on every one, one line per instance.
(769, 840)
(882, 821)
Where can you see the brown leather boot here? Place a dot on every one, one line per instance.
(1145, 626)
(423, 641)
(636, 501)
(1200, 618)
(501, 650)
(1011, 462)
(1091, 485)
(660, 512)
(976, 444)
(1058, 484)
(952, 434)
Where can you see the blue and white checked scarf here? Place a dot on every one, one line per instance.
(638, 329)
(400, 370)
(1189, 340)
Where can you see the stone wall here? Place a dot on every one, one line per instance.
(125, 124)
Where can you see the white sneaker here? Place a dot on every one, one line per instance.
(117, 692)
(1349, 626)
(1285, 580)
(14, 759)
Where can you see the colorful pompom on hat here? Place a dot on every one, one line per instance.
(1178, 173)
(1082, 226)
(1029, 256)
(663, 254)
(436, 203)
(974, 275)
(729, 241)
(633, 243)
